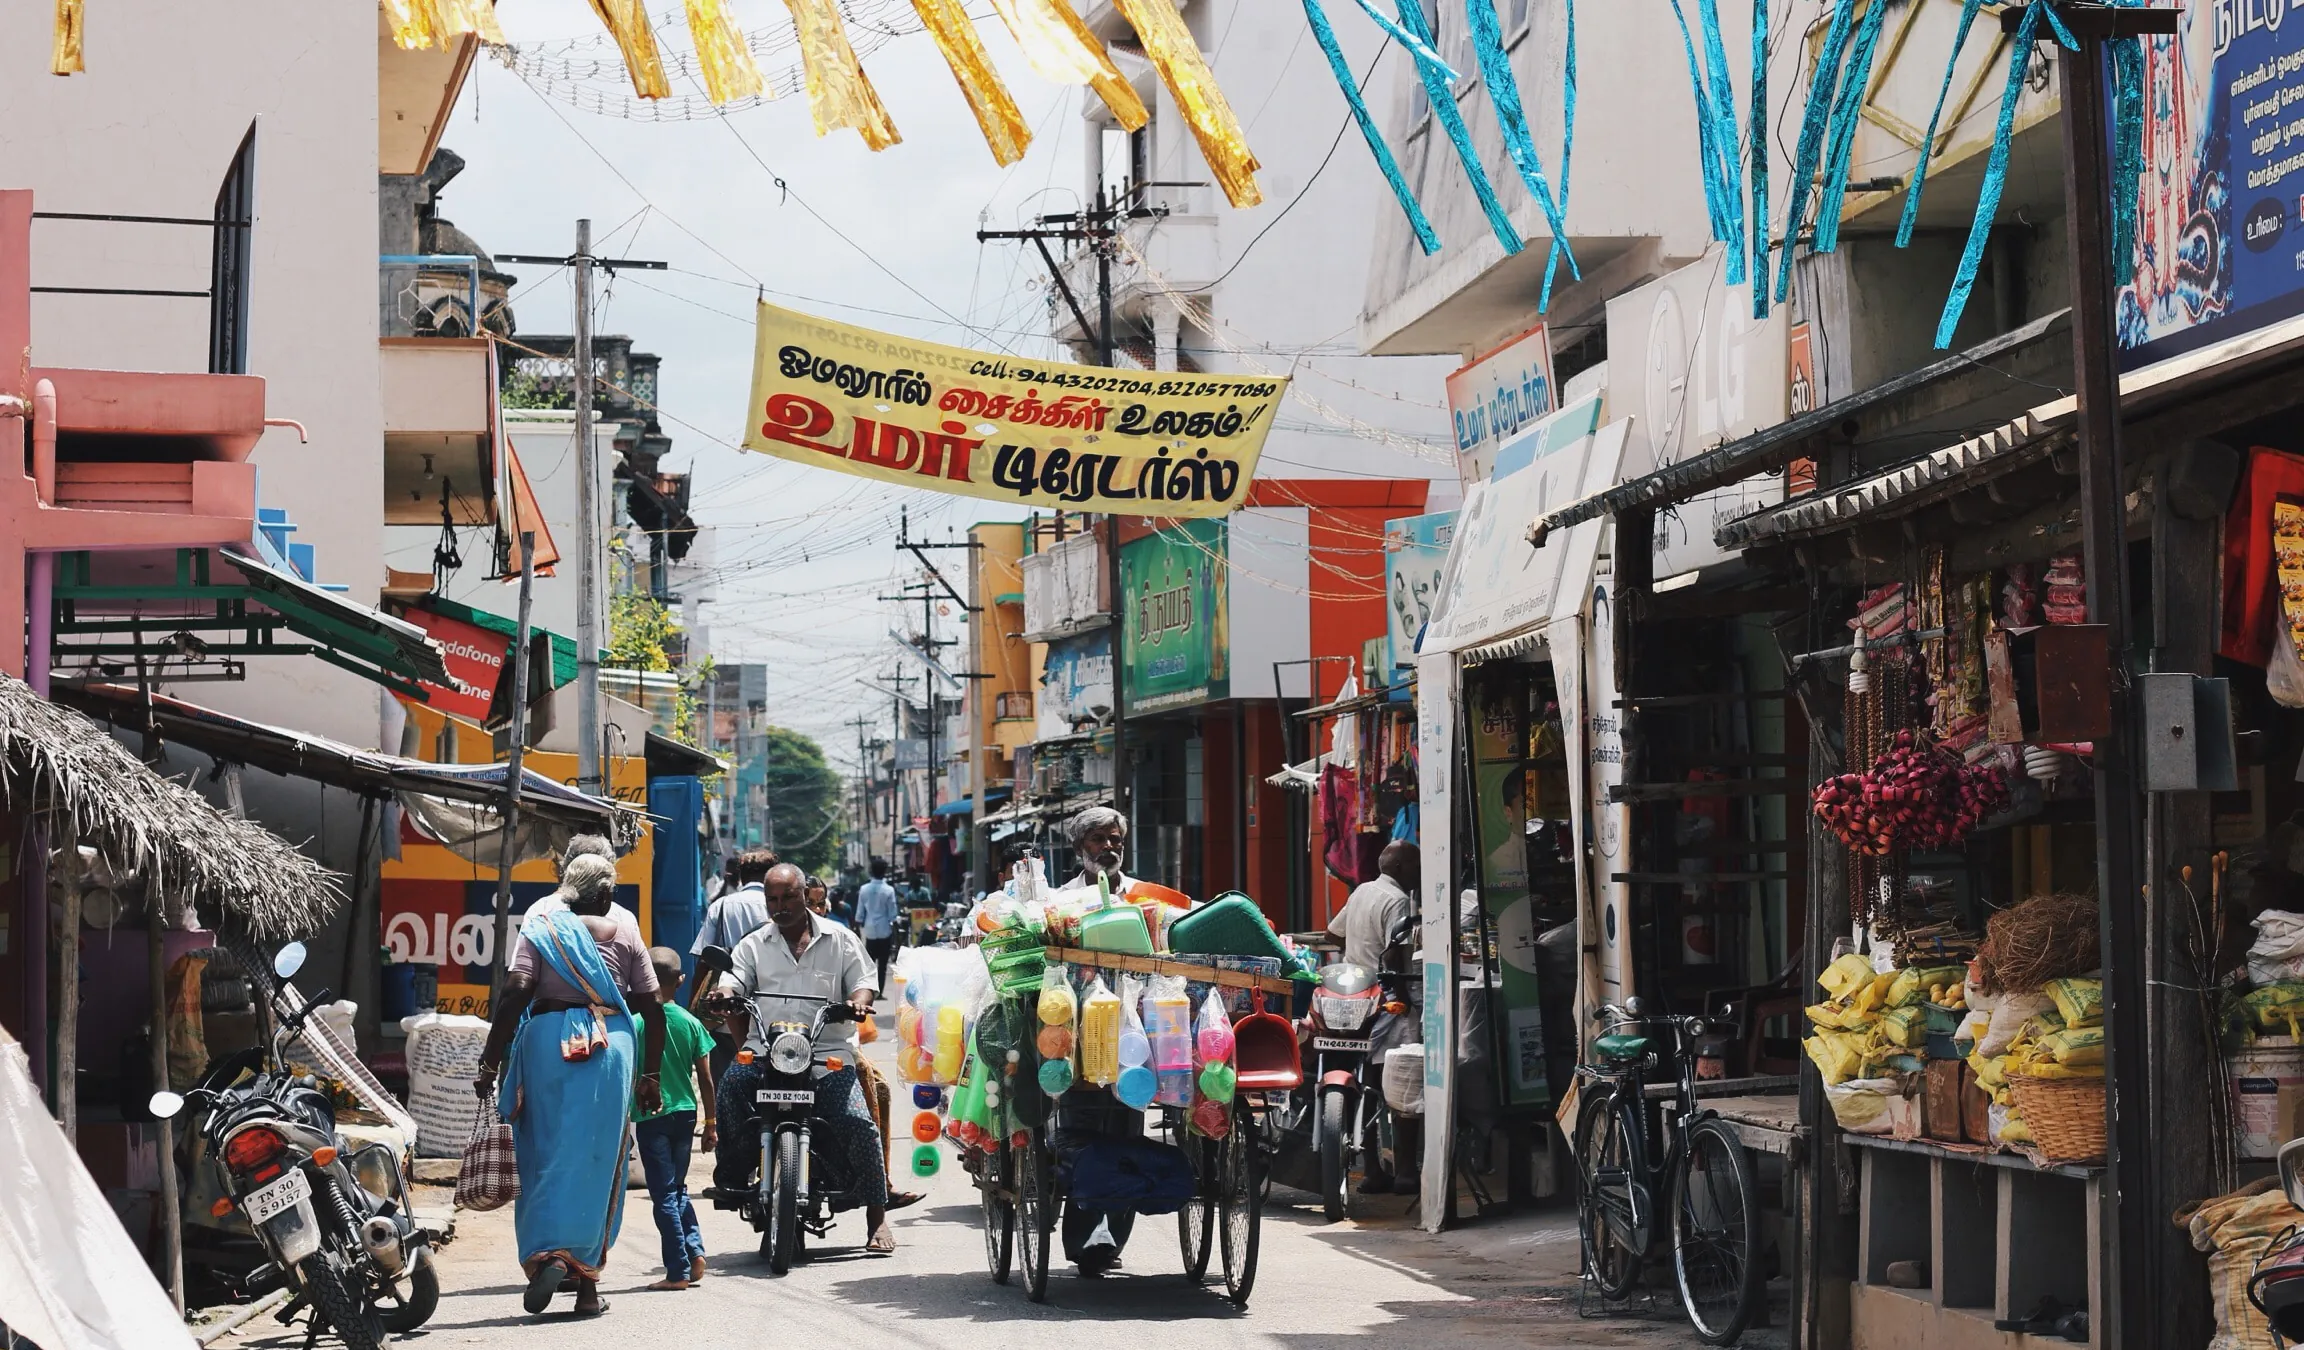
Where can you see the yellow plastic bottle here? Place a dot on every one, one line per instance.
(951, 1039)
(1100, 1037)
(1057, 1004)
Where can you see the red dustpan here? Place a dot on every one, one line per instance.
(1264, 1046)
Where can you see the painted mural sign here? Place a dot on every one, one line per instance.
(1415, 562)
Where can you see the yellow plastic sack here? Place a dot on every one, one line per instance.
(2080, 1002)
(1906, 1027)
(1991, 1073)
(1845, 975)
(2278, 1008)
(2014, 1131)
(2236, 1230)
(1915, 984)
(1839, 1055)
(2048, 1068)
(2075, 1047)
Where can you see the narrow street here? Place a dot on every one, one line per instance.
(1332, 1286)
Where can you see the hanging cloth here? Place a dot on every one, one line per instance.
(1512, 119)
(1338, 799)
(627, 22)
(996, 113)
(839, 93)
(1443, 101)
(1175, 53)
(1325, 35)
(723, 60)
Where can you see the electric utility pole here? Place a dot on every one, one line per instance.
(590, 552)
(1099, 228)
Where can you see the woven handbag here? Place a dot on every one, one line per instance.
(490, 1177)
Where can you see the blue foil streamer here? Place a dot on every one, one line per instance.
(1725, 139)
(1995, 176)
(1855, 85)
(1512, 118)
(1758, 123)
(1567, 152)
(2127, 153)
(1326, 35)
(1417, 47)
(1812, 120)
(1707, 135)
(1911, 218)
(1443, 103)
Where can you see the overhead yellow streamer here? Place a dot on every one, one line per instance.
(418, 24)
(839, 93)
(66, 59)
(412, 23)
(627, 22)
(996, 112)
(1177, 57)
(1062, 50)
(722, 56)
(472, 16)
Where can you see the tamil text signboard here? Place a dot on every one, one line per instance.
(1177, 651)
(1494, 397)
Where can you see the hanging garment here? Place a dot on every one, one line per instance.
(2251, 601)
(1339, 797)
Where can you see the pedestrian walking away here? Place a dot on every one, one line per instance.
(728, 921)
(876, 919)
(563, 1040)
(666, 1136)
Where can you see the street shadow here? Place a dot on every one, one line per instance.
(1161, 1296)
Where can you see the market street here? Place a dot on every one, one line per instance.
(1332, 1286)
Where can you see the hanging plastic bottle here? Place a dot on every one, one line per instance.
(1100, 1036)
(1135, 1048)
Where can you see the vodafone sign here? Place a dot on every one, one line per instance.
(475, 660)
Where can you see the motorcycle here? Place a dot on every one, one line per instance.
(789, 1203)
(2276, 1286)
(334, 1221)
(1340, 1029)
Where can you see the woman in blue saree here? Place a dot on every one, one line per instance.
(565, 1039)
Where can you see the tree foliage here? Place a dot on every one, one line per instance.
(803, 801)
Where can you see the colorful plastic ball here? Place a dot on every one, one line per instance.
(1056, 1077)
(927, 1126)
(926, 1160)
(928, 1097)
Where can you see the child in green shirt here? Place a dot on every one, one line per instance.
(665, 1138)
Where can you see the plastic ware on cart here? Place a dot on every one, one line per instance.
(1114, 927)
(926, 1160)
(1264, 1048)
(1100, 1035)
(1230, 925)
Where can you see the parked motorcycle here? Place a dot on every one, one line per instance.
(334, 1221)
(790, 1201)
(2276, 1286)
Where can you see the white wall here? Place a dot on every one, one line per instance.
(149, 129)
(545, 441)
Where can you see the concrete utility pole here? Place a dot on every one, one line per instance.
(1099, 227)
(591, 553)
(509, 854)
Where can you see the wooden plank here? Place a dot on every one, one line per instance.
(1172, 965)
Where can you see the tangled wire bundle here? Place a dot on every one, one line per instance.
(1915, 796)
(2047, 937)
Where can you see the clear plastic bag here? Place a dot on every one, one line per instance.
(1100, 1016)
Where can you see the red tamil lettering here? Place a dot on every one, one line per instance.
(893, 447)
(798, 421)
(952, 443)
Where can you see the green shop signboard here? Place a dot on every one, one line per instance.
(1178, 650)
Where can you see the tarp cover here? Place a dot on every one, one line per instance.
(69, 1277)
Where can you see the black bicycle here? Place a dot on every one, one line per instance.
(1699, 1165)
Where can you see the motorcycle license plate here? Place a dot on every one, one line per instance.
(784, 1097)
(1345, 1044)
(278, 1198)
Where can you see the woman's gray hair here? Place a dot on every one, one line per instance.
(583, 846)
(1089, 821)
(588, 875)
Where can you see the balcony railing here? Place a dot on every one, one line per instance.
(1012, 707)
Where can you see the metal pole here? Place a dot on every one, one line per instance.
(171, 1205)
(508, 856)
(2128, 1237)
(588, 543)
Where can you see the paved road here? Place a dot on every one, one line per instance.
(1374, 1282)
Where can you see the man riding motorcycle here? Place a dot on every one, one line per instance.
(796, 946)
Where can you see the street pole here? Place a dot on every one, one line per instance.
(508, 855)
(2130, 1200)
(588, 543)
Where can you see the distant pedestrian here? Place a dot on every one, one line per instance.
(729, 921)
(876, 918)
(819, 898)
(667, 1136)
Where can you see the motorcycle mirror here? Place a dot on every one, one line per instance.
(2292, 1171)
(289, 960)
(165, 1105)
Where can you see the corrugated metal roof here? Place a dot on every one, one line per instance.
(2005, 447)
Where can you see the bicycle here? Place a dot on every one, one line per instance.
(1715, 1218)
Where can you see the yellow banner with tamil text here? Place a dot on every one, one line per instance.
(1044, 433)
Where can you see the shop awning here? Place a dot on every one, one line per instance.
(668, 758)
(1374, 698)
(1998, 378)
(1505, 648)
(297, 754)
(351, 634)
(967, 805)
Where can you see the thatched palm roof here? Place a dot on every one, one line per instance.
(161, 833)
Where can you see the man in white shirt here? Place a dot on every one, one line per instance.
(876, 917)
(739, 912)
(1377, 907)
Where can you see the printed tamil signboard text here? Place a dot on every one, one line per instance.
(1494, 396)
(1177, 616)
(1042, 433)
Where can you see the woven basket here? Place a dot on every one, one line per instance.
(2065, 1116)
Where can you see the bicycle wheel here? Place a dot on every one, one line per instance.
(1715, 1233)
(998, 1176)
(1240, 1204)
(1196, 1222)
(1035, 1215)
(1606, 1221)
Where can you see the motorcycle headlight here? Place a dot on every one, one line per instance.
(791, 1053)
(1342, 1014)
